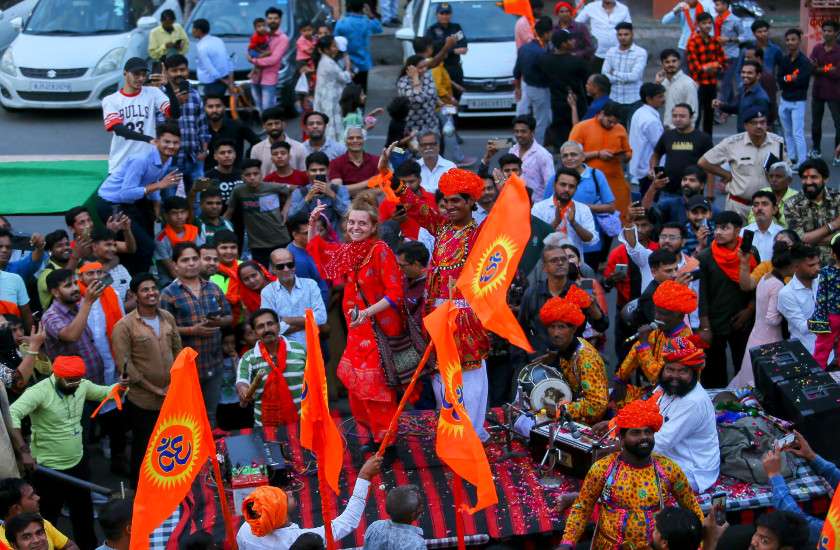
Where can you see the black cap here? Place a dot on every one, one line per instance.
(134, 65)
(698, 201)
(560, 36)
(753, 112)
(443, 7)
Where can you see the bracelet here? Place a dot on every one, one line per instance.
(35, 353)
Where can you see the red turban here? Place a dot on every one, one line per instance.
(579, 297)
(69, 366)
(270, 507)
(559, 5)
(684, 351)
(456, 181)
(561, 310)
(676, 297)
(640, 414)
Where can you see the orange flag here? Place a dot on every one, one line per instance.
(382, 181)
(491, 265)
(179, 448)
(830, 535)
(114, 393)
(519, 7)
(457, 443)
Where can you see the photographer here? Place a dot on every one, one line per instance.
(319, 190)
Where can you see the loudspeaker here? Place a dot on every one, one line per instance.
(813, 404)
(775, 363)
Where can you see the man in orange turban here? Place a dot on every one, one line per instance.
(672, 302)
(267, 510)
(629, 486)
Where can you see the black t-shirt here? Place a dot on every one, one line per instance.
(565, 72)
(238, 132)
(439, 34)
(227, 182)
(681, 150)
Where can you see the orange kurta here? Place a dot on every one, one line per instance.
(595, 137)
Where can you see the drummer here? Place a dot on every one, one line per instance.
(579, 362)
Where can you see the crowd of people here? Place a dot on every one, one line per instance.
(206, 235)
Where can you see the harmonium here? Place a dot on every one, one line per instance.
(574, 450)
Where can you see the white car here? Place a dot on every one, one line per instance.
(488, 64)
(10, 10)
(70, 53)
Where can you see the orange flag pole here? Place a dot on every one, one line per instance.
(326, 508)
(227, 516)
(392, 427)
(460, 504)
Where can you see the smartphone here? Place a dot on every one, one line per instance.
(695, 275)
(659, 172)
(36, 317)
(107, 280)
(398, 150)
(620, 269)
(501, 143)
(705, 223)
(636, 204)
(354, 313)
(784, 441)
(184, 85)
(459, 35)
(719, 504)
(321, 177)
(746, 241)
(157, 68)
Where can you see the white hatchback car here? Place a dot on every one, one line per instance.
(488, 64)
(70, 53)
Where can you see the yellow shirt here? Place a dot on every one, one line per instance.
(159, 37)
(55, 538)
(443, 82)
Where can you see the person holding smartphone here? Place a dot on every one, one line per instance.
(168, 38)
(319, 190)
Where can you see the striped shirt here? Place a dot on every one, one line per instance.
(252, 362)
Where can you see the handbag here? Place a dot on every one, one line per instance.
(610, 223)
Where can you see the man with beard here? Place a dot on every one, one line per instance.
(629, 485)
(689, 434)
(672, 301)
(209, 258)
(571, 218)
(746, 153)
(315, 124)
(275, 128)
(815, 213)
(55, 406)
(264, 85)
(222, 127)
(275, 369)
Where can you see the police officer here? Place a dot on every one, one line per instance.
(438, 33)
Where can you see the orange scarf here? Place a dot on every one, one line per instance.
(719, 19)
(561, 216)
(728, 261)
(278, 406)
(110, 306)
(190, 234)
(692, 24)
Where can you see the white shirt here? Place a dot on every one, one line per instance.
(645, 130)
(285, 303)
(625, 69)
(97, 324)
(689, 436)
(763, 240)
(137, 112)
(680, 89)
(122, 280)
(262, 152)
(602, 25)
(796, 303)
(429, 177)
(708, 7)
(283, 538)
(546, 211)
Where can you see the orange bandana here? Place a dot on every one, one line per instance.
(190, 234)
(692, 24)
(719, 20)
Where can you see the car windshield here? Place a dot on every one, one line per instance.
(482, 21)
(86, 17)
(236, 18)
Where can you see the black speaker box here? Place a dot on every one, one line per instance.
(813, 404)
(775, 363)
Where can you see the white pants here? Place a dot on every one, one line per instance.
(536, 101)
(475, 397)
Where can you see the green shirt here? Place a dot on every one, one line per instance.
(56, 420)
(252, 362)
(221, 281)
(780, 219)
(43, 293)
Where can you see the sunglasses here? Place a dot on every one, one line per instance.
(282, 266)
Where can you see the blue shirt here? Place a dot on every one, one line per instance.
(24, 267)
(596, 107)
(357, 28)
(593, 188)
(127, 184)
(527, 65)
(212, 59)
(782, 499)
(772, 55)
(747, 100)
(305, 268)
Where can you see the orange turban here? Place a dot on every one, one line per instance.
(579, 297)
(456, 181)
(684, 351)
(561, 310)
(269, 505)
(90, 266)
(676, 297)
(640, 414)
(69, 366)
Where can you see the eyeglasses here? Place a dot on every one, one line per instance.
(282, 266)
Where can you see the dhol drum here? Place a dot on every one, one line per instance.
(542, 387)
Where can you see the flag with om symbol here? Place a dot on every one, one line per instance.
(180, 445)
(456, 443)
(493, 260)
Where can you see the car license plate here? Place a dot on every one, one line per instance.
(45, 86)
(490, 103)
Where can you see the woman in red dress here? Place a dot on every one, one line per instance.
(373, 292)
(253, 277)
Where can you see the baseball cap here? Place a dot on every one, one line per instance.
(443, 7)
(135, 64)
(698, 201)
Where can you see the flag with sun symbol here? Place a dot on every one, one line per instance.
(493, 260)
(180, 445)
(830, 535)
(456, 443)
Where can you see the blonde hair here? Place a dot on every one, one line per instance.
(365, 202)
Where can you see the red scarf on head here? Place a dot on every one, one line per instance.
(728, 261)
(251, 298)
(692, 24)
(110, 306)
(278, 406)
(190, 234)
(349, 258)
(719, 19)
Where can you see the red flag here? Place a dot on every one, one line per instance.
(179, 448)
(491, 265)
(830, 535)
(457, 444)
(519, 7)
